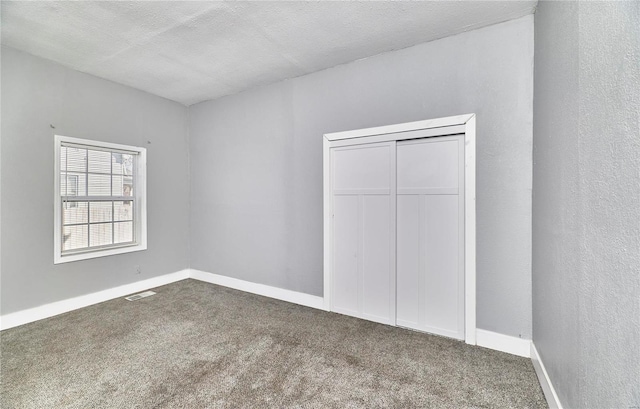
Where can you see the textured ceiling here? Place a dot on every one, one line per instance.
(195, 51)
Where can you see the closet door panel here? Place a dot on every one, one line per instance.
(409, 278)
(362, 167)
(363, 195)
(430, 247)
(376, 257)
(428, 163)
(345, 251)
(442, 291)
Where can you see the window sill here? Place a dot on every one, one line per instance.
(60, 259)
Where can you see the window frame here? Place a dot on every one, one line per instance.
(139, 199)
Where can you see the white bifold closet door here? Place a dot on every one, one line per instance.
(364, 214)
(430, 235)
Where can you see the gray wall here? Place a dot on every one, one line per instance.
(586, 197)
(256, 161)
(37, 93)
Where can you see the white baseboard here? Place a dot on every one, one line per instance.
(59, 307)
(504, 343)
(543, 378)
(487, 339)
(295, 297)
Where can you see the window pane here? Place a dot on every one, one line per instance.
(99, 185)
(118, 189)
(100, 212)
(123, 210)
(116, 163)
(99, 161)
(123, 232)
(74, 237)
(122, 163)
(73, 184)
(127, 186)
(100, 234)
(74, 212)
(75, 159)
(128, 164)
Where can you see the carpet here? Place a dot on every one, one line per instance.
(198, 345)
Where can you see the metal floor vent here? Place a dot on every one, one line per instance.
(139, 296)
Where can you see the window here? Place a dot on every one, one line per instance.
(100, 202)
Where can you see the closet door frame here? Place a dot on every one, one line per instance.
(453, 125)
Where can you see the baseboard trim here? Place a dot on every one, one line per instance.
(503, 343)
(492, 340)
(295, 297)
(487, 339)
(543, 378)
(59, 307)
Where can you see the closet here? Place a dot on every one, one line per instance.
(396, 225)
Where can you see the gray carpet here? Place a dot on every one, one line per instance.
(197, 345)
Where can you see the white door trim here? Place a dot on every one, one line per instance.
(430, 128)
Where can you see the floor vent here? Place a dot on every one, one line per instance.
(138, 296)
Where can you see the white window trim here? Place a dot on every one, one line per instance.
(140, 195)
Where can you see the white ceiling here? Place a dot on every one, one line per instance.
(195, 51)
